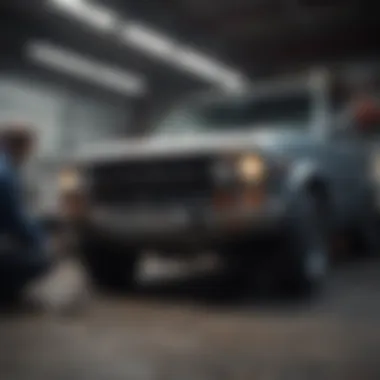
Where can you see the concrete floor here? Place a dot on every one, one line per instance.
(178, 331)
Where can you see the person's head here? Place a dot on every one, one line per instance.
(18, 140)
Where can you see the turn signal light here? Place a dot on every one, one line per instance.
(252, 197)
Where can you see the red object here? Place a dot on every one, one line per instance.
(367, 113)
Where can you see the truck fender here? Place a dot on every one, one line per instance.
(302, 174)
(303, 177)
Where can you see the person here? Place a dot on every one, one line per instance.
(22, 252)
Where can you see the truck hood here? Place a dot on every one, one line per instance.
(265, 140)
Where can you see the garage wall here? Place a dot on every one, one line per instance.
(64, 118)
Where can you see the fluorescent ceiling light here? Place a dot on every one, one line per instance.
(153, 43)
(209, 69)
(99, 17)
(199, 64)
(84, 68)
(149, 41)
(144, 39)
(235, 83)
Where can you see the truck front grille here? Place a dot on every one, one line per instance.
(157, 181)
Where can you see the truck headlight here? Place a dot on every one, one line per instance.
(251, 168)
(72, 194)
(247, 168)
(70, 180)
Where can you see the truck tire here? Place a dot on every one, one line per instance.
(295, 262)
(308, 248)
(110, 268)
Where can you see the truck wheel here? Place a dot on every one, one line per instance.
(309, 249)
(110, 268)
(297, 261)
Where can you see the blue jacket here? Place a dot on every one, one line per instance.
(14, 221)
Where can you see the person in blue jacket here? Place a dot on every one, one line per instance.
(22, 243)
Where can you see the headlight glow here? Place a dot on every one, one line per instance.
(251, 168)
(69, 180)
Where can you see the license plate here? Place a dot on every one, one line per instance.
(154, 219)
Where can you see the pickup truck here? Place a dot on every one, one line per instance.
(266, 178)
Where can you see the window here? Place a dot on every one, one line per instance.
(285, 110)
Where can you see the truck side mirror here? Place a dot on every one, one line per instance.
(362, 120)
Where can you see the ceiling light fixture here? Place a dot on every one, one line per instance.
(207, 68)
(189, 60)
(99, 17)
(71, 63)
(140, 37)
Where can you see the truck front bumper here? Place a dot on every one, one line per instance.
(181, 230)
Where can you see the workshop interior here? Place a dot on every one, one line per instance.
(189, 189)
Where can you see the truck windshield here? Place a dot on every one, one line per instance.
(290, 111)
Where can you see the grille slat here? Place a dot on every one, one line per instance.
(153, 182)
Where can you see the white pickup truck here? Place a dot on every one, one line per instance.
(265, 178)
